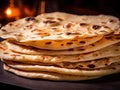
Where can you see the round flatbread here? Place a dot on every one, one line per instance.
(48, 75)
(60, 44)
(103, 45)
(59, 31)
(93, 64)
(115, 68)
(110, 51)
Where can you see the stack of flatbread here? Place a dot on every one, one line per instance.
(62, 46)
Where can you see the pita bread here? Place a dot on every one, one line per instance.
(103, 45)
(48, 75)
(58, 32)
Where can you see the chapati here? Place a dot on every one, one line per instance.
(58, 32)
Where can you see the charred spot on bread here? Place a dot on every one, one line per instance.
(49, 21)
(72, 33)
(83, 24)
(95, 27)
(69, 25)
(48, 43)
(69, 43)
(82, 42)
(112, 21)
(91, 66)
(108, 37)
(4, 30)
(29, 18)
(81, 49)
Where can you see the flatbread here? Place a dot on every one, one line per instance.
(48, 75)
(60, 44)
(93, 19)
(114, 68)
(59, 31)
(110, 51)
(105, 44)
(93, 64)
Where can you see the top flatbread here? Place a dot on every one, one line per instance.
(60, 30)
(106, 42)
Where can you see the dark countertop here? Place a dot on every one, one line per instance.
(5, 86)
(110, 82)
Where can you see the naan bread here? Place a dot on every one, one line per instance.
(48, 75)
(103, 45)
(59, 31)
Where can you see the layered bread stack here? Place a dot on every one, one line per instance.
(62, 46)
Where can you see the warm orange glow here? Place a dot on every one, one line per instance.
(8, 12)
(43, 6)
(12, 12)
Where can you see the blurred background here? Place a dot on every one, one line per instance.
(11, 10)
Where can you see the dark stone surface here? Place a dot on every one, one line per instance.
(110, 82)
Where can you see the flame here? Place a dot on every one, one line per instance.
(12, 12)
(8, 11)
